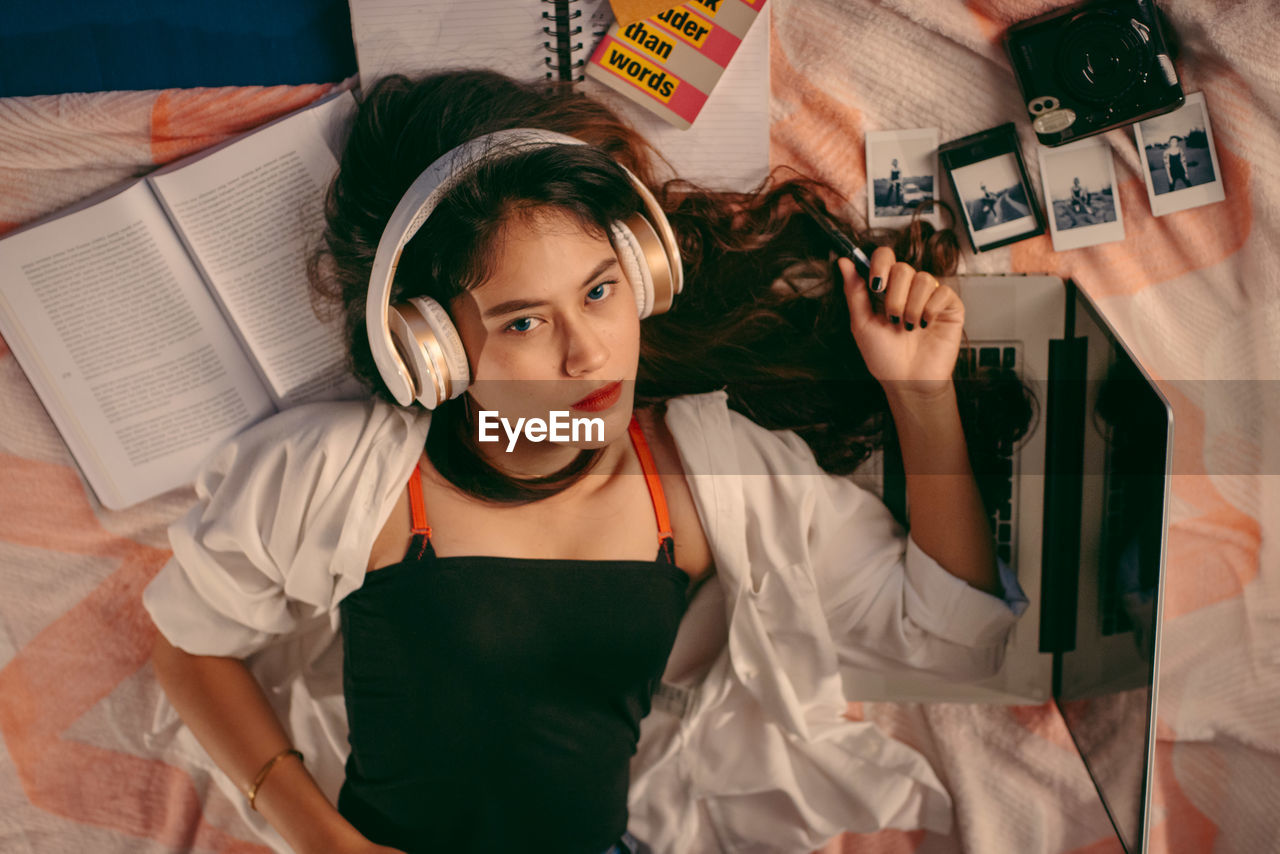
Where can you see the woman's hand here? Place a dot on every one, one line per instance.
(909, 332)
(914, 367)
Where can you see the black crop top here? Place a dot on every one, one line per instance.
(495, 703)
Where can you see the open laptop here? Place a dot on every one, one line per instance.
(1083, 528)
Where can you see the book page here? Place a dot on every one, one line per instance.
(251, 213)
(727, 147)
(113, 325)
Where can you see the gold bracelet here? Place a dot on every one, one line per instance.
(266, 769)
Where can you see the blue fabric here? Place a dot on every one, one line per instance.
(87, 46)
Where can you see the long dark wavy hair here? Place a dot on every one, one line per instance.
(762, 314)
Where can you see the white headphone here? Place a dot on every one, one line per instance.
(415, 345)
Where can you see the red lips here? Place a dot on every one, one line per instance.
(601, 398)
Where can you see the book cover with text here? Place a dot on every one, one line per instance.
(669, 63)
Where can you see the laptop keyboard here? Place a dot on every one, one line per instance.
(1004, 520)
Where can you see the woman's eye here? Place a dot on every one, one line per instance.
(522, 324)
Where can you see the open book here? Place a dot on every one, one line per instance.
(158, 319)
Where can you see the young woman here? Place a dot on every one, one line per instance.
(511, 610)
(1080, 198)
(1175, 168)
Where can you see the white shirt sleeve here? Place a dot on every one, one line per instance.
(887, 603)
(281, 531)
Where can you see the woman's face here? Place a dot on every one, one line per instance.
(554, 323)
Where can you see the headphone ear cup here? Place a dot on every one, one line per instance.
(430, 346)
(631, 256)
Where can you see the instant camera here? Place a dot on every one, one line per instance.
(1092, 67)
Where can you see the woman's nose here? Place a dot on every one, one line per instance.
(585, 349)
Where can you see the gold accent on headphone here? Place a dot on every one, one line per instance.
(655, 258)
(425, 338)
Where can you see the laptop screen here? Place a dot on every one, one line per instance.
(1105, 682)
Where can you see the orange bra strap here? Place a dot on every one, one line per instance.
(420, 525)
(652, 479)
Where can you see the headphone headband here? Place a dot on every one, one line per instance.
(424, 195)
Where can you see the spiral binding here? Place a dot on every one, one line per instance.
(564, 61)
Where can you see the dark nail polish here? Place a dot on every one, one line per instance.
(877, 285)
(894, 318)
(909, 326)
(923, 324)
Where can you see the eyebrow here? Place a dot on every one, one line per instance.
(521, 304)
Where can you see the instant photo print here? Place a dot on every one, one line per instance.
(1179, 161)
(1079, 182)
(990, 183)
(902, 174)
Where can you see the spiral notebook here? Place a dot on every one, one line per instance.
(727, 147)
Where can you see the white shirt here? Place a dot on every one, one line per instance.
(746, 750)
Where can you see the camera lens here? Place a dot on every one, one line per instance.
(1100, 57)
